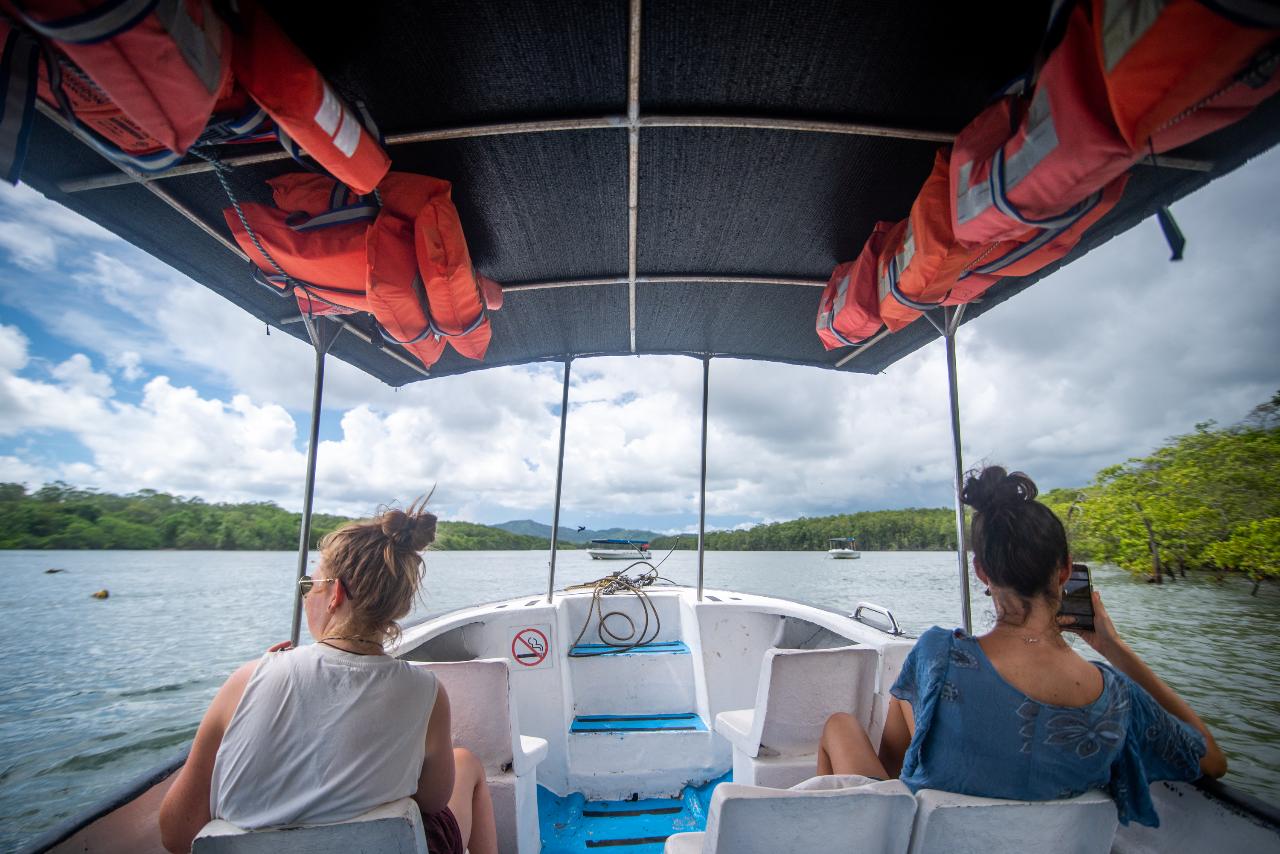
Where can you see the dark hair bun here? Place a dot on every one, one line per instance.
(993, 488)
(414, 529)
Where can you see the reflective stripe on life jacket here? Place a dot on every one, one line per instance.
(1063, 148)
(305, 108)
(1176, 70)
(849, 310)
(164, 63)
(1038, 248)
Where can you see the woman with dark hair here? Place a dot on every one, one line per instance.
(326, 732)
(1016, 713)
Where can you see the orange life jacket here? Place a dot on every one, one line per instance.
(1035, 161)
(165, 65)
(1179, 69)
(446, 301)
(32, 66)
(923, 265)
(304, 107)
(849, 310)
(405, 262)
(315, 233)
(922, 260)
(145, 78)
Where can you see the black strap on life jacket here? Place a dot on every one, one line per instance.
(19, 76)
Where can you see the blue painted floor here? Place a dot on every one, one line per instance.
(574, 825)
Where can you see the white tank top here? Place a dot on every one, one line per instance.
(322, 735)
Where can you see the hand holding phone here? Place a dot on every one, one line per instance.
(1077, 598)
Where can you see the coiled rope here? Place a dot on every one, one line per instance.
(612, 584)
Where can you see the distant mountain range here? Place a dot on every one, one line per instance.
(530, 528)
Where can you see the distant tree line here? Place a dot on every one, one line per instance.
(876, 530)
(1209, 500)
(58, 516)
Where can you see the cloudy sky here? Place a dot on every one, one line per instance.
(118, 373)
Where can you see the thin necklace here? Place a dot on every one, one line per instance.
(1031, 638)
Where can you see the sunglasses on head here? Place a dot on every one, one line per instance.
(306, 582)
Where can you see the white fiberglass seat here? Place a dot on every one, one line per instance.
(832, 815)
(394, 828)
(485, 722)
(960, 824)
(776, 743)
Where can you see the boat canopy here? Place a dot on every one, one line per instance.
(621, 542)
(840, 541)
(656, 177)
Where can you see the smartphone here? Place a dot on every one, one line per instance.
(1077, 597)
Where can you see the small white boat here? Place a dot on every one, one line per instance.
(842, 548)
(612, 549)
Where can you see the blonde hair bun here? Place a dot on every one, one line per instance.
(414, 529)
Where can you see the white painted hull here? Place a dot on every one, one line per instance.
(618, 554)
(844, 554)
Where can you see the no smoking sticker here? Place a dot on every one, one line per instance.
(529, 646)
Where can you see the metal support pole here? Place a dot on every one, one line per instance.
(555, 516)
(322, 334)
(702, 489)
(952, 318)
(633, 165)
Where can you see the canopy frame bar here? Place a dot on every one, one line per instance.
(322, 334)
(864, 347)
(555, 515)
(797, 125)
(665, 280)
(702, 483)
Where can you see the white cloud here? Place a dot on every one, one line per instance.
(35, 232)
(13, 348)
(77, 374)
(76, 401)
(31, 475)
(30, 246)
(24, 204)
(128, 364)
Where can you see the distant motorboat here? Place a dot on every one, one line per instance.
(611, 549)
(842, 548)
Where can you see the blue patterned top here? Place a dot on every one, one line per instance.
(978, 735)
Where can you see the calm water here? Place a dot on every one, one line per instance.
(95, 692)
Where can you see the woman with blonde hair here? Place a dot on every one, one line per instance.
(325, 732)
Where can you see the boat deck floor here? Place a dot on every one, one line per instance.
(572, 824)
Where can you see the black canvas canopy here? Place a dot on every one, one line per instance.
(656, 177)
